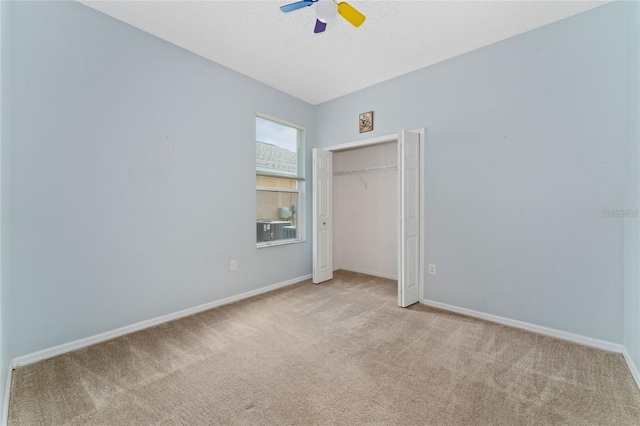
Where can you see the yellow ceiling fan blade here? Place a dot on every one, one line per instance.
(350, 13)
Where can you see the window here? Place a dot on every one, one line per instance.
(279, 181)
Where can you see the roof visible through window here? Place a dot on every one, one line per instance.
(276, 147)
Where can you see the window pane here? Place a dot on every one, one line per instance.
(277, 181)
(274, 182)
(276, 213)
(276, 148)
(273, 205)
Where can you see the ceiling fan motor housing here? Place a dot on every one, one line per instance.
(326, 10)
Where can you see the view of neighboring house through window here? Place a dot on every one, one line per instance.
(279, 180)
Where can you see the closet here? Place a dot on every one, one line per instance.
(365, 210)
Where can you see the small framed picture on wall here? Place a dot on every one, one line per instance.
(366, 122)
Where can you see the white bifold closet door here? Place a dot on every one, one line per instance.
(322, 215)
(409, 214)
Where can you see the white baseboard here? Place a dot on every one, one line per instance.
(87, 341)
(632, 366)
(366, 272)
(576, 338)
(5, 403)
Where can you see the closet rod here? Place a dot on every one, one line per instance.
(367, 170)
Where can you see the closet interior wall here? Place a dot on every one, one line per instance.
(365, 210)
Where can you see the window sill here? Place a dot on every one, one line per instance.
(278, 243)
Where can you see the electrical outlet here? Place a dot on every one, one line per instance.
(432, 269)
(233, 265)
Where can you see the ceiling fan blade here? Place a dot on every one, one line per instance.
(320, 26)
(350, 13)
(297, 5)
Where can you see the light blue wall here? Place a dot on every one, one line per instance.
(632, 184)
(133, 177)
(5, 196)
(525, 150)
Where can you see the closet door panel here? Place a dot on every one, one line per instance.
(322, 215)
(409, 233)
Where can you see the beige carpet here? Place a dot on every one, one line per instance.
(337, 353)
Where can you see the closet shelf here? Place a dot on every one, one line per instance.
(367, 170)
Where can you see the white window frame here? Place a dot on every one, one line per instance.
(300, 228)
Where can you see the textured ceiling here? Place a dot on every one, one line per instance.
(256, 39)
